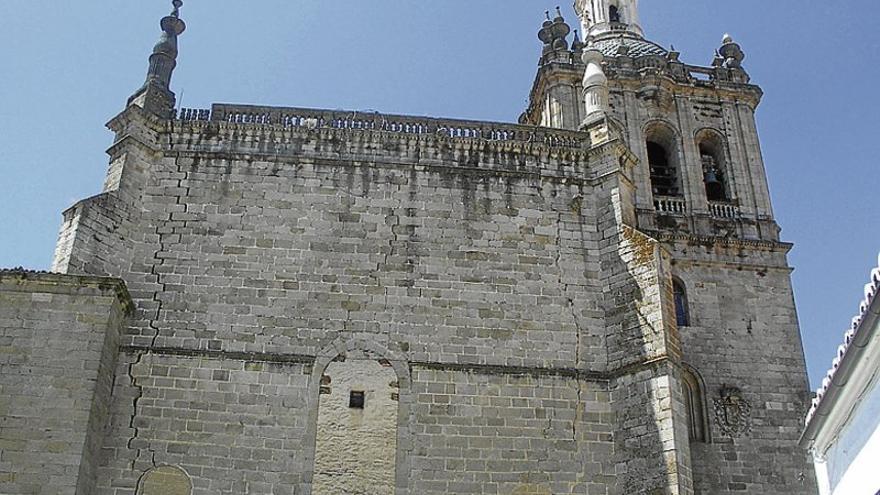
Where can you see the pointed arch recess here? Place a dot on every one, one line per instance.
(694, 395)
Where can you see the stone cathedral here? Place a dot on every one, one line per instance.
(277, 300)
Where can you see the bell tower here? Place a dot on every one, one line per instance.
(700, 189)
(599, 17)
(692, 127)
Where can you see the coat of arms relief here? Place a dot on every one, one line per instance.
(733, 413)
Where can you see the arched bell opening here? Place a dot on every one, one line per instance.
(663, 161)
(614, 15)
(713, 159)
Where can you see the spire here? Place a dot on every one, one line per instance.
(577, 45)
(155, 95)
(164, 57)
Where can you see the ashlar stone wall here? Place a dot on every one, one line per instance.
(481, 432)
(498, 279)
(234, 424)
(58, 350)
(743, 333)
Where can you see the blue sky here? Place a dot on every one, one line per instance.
(68, 67)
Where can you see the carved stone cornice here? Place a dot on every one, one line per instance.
(735, 243)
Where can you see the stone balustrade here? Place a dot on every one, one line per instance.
(724, 210)
(678, 206)
(191, 114)
(698, 72)
(374, 121)
(670, 205)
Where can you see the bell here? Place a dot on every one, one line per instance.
(714, 187)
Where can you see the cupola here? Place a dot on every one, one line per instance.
(601, 17)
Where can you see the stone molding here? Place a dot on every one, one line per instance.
(21, 280)
(322, 359)
(724, 241)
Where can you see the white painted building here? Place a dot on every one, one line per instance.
(843, 426)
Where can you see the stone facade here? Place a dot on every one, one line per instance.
(504, 297)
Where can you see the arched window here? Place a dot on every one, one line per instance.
(695, 404)
(664, 177)
(679, 296)
(614, 14)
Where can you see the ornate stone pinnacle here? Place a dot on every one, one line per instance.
(172, 24)
(156, 95)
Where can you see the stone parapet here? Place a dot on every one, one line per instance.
(403, 124)
(388, 139)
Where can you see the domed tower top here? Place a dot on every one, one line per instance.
(600, 17)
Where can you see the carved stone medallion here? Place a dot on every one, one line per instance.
(733, 414)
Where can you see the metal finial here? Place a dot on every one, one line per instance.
(558, 11)
(177, 5)
(547, 13)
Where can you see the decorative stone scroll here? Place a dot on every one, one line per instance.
(733, 413)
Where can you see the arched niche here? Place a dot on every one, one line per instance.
(694, 396)
(360, 391)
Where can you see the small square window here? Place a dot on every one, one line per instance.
(356, 400)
